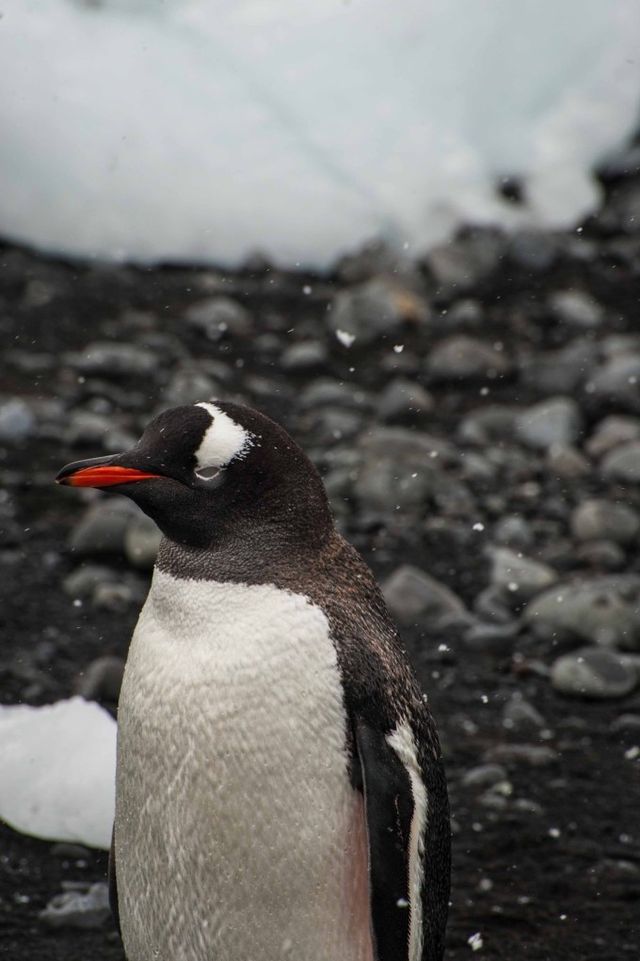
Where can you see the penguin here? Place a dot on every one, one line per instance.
(280, 789)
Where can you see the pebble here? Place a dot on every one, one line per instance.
(532, 754)
(189, 385)
(376, 309)
(414, 596)
(593, 672)
(600, 519)
(461, 264)
(601, 610)
(404, 402)
(463, 358)
(398, 468)
(487, 425)
(553, 421)
(617, 382)
(141, 542)
(83, 581)
(101, 680)
(519, 576)
(308, 355)
(113, 360)
(17, 420)
(576, 308)
(610, 432)
(85, 909)
(566, 463)
(603, 555)
(558, 371)
(519, 715)
(102, 528)
(484, 775)
(216, 316)
(623, 464)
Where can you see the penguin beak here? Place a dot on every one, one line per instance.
(100, 472)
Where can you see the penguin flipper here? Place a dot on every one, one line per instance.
(113, 884)
(388, 812)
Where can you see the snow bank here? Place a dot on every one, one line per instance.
(199, 131)
(58, 771)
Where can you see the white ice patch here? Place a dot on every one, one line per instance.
(58, 771)
(202, 131)
(224, 440)
(403, 743)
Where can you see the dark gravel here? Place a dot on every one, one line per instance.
(491, 394)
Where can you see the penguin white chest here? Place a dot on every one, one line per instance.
(238, 834)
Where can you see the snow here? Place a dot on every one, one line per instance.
(197, 131)
(58, 771)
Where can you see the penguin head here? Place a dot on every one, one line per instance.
(200, 471)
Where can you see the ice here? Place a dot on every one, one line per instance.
(200, 131)
(58, 771)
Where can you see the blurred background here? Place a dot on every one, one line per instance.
(412, 235)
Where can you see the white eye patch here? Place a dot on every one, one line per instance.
(223, 441)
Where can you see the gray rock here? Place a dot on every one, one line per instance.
(114, 360)
(86, 428)
(490, 604)
(612, 432)
(593, 672)
(102, 529)
(326, 392)
(486, 425)
(465, 313)
(113, 597)
(558, 371)
(599, 519)
(397, 468)
(141, 542)
(603, 555)
(377, 308)
(216, 316)
(460, 264)
(623, 464)
(414, 596)
(304, 356)
(465, 358)
(189, 385)
(404, 401)
(531, 754)
(517, 575)
(493, 637)
(566, 462)
(553, 421)
(101, 680)
(520, 715)
(484, 775)
(625, 722)
(618, 382)
(16, 420)
(577, 308)
(78, 909)
(534, 250)
(83, 581)
(602, 610)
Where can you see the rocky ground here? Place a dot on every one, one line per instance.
(476, 418)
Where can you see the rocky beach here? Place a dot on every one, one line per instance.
(475, 415)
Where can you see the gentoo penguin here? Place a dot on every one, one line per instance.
(280, 792)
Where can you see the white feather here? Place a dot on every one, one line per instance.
(223, 441)
(403, 743)
(238, 834)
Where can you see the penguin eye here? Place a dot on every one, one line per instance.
(207, 473)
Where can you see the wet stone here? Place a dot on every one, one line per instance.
(617, 382)
(102, 528)
(412, 595)
(113, 360)
(79, 909)
(519, 715)
(217, 316)
(101, 680)
(17, 421)
(141, 542)
(462, 358)
(553, 421)
(519, 576)
(623, 464)
(404, 402)
(308, 355)
(593, 672)
(576, 308)
(611, 432)
(602, 610)
(484, 775)
(600, 519)
(376, 309)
